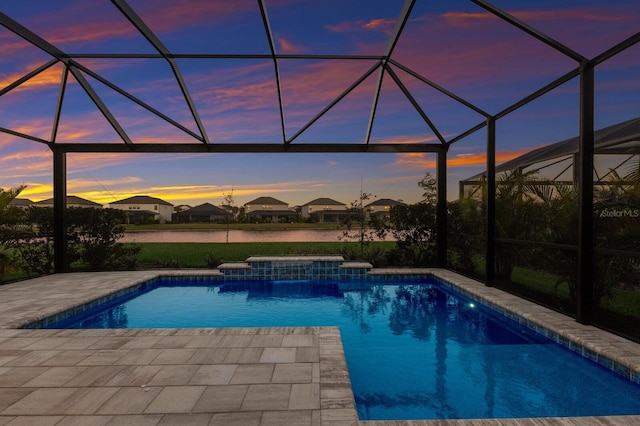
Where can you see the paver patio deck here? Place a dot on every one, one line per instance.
(225, 376)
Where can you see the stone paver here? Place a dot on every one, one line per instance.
(176, 399)
(305, 396)
(274, 355)
(267, 397)
(293, 373)
(214, 374)
(248, 377)
(221, 399)
(253, 373)
(129, 400)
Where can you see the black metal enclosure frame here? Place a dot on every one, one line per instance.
(200, 142)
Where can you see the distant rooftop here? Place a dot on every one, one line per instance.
(266, 201)
(384, 202)
(71, 200)
(324, 202)
(142, 199)
(205, 208)
(21, 202)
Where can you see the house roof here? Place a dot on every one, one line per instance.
(71, 199)
(384, 202)
(620, 138)
(142, 199)
(266, 201)
(324, 202)
(205, 208)
(20, 202)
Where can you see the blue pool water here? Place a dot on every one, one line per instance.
(414, 350)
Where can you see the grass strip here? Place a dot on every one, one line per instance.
(194, 255)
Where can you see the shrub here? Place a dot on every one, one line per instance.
(96, 232)
(93, 235)
(376, 256)
(172, 262)
(36, 257)
(213, 261)
(33, 244)
(414, 228)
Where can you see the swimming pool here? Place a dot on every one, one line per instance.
(415, 350)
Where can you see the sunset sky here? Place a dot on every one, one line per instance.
(454, 43)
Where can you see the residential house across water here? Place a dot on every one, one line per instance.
(204, 213)
(142, 208)
(325, 210)
(381, 207)
(268, 209)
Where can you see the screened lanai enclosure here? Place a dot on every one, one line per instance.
(527, 112)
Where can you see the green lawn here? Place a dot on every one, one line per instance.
(541, 281)
(194, 255)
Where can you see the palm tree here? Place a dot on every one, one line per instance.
(516, 215)
(9, 216)
(6, 196)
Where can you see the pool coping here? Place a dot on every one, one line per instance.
(33, 300)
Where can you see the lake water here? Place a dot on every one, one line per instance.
(235, 236)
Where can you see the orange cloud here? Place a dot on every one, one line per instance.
(27, 155)
(247, 95)
(11, 45)
(39, 127)
(286, 46)
(195, 13)
(410, 139)
(465, 19)
(385, 24)
(49, 77)
(421, 161)
(92, 31)
(330, 78)
(83, 22)
(245, 86)
(606, 14)
(469, 47)
(26, 170)
(380, 24)
(465, 160)
(460, 18)
(78, 163)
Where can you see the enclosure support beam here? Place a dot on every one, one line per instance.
(441, 212)
(60, 257)
(490, 228)
(246, 148)
(584, 290)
